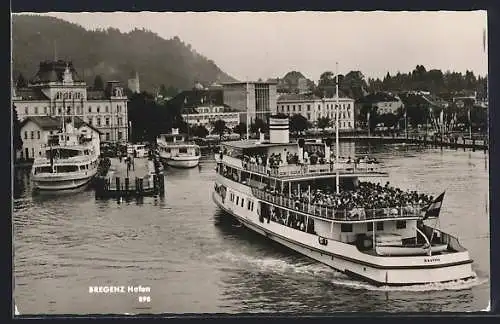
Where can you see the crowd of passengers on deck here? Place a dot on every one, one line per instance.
(366, 196)
(275, 160)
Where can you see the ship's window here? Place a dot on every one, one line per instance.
(369, 227)
(82, 167)
(248, 205)
(346, 228)
(32, 135)
(400, 224)
(242, 202)
(380, 226)
(183, 150)
(252, 205)
(67, 168)
(237, 200)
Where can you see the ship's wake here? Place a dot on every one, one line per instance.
(306, 269)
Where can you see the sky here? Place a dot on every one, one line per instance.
(253, 45)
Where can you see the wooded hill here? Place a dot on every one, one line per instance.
(110, 53)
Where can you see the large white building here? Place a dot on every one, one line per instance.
(313, 108)
(257, 99)
(56, 90)
(35, 132)
(206, 115)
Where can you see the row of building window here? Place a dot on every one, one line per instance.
(211, 116)
(108, 136)
(106, 121)
(328, 107)
(32, 134)
(38, 135)
(328, 114)
(69, 95)
(77, 107)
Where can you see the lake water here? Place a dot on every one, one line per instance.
(195, 259)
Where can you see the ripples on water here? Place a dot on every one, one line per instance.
(197, 259)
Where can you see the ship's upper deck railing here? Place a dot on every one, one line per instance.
(292, 170)
(66, 161)
(355, 214)
(180, 143)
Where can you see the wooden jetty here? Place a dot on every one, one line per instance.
(144, 178)
(434, 141)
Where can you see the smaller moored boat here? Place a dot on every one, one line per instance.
(176, 151)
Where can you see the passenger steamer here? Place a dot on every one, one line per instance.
(68, 161)
(390, 246)
(176, 151)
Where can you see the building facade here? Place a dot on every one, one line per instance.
(206, 115)
(252, 99)
(56, 90)
(35, 132)
(386, 103)
(313, 108)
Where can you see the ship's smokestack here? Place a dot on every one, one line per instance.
(279, 130)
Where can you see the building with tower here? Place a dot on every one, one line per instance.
(133, 84)
(57, 90)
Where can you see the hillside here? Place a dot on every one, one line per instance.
(112, 54)
(290, 82)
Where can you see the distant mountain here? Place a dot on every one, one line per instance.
(110, 53)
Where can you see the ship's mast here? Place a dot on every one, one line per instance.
(247, 114)
(337, 180)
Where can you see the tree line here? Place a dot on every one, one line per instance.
(443, 84)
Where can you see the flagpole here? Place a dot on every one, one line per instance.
(337, 180)
(470, 126)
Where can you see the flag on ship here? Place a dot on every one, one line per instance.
(433, 209)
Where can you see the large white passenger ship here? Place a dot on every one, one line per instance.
(176, 151)
(296, 194)
(68, 161)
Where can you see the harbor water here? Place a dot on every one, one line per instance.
(189, 257)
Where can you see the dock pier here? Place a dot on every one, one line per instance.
(428, 141)
(144, 178)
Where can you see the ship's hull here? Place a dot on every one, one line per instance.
(59, 182)
(181, 162)
(346, 258)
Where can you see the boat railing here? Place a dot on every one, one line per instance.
(354, 214)
(312, 169)
(445, 238)
(65, 161)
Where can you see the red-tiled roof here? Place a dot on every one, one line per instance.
(294, 97)
(31, 94)
(55, 123)
(52, 71)
(95, 94)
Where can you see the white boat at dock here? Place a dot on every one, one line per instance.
(176, 151)
(68, 161)
(318, 206)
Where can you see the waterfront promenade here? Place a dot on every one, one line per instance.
(141, 169)
(140, 179)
